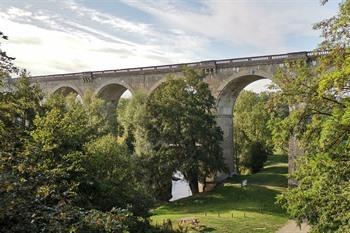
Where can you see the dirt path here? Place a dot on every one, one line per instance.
(292, 227)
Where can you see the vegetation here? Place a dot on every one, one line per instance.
(180, 131)
(252, 138)
(72, 167)
(130, 113)
(63, 169)
(60, 170)
(232, 208)
(320, 121)
(50, 181)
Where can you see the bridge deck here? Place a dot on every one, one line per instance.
(209, 64)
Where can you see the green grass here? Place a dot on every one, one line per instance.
(230, 208)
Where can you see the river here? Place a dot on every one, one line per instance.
(180, 188)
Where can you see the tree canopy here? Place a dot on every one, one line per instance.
(251, 134)
(180, 128)
(320, 120)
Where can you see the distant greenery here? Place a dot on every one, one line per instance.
(130, 116)
(251, 135)
(253, 207)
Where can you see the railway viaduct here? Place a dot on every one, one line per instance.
(226, 79)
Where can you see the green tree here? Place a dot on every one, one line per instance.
(48, 170)
(278, 111)
(6, 62)
(129, 114)
(54, 179)
(112, 181)
(180, 128)
(320, 120)
(112, 176)
(51, 155)
(252, 137)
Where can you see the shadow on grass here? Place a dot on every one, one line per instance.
(276, 170)
(206, 229)
(269, 180)
(256, 197)
(273, 159)
(227, 198)
(270, 176)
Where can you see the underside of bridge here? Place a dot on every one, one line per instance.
(111, 92)
(65, 91)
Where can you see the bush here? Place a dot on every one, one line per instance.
(67, 179)
(111, 177)
(253, 157)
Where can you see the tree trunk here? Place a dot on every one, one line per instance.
(193, 182)
(164, 191)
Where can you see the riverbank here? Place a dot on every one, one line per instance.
(231, 208)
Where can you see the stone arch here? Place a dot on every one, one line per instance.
(66, 90)
(112, 91)
(228, 93)
(163, 79)
(230, 90)
(156, 85)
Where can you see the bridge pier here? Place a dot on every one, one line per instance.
(226, 124)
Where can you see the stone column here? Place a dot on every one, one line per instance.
(226, 124)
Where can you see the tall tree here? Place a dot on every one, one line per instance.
(129, 116)
(50, 164)
(320, 120)
(252, 137)
(181, 129)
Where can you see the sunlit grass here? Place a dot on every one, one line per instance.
(231, 208)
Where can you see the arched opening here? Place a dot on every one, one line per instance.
(225, 103)
(67, 90)
(252, 136)
(114, 95)
(111, 92)
(241, 105)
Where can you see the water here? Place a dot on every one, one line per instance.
(180, 188)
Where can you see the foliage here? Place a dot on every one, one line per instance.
(253, 157)
(6, 62)
(252, 137)
(151, 170)
(278, 111)
(112, 179)
(180, 129)
(129, 116)
(100, 114)
(320, 120)
(50, 152)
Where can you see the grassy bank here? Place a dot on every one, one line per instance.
(230, 208)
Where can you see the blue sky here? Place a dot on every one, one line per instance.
(49, 36)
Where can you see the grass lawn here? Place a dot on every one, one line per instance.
(230, 208)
